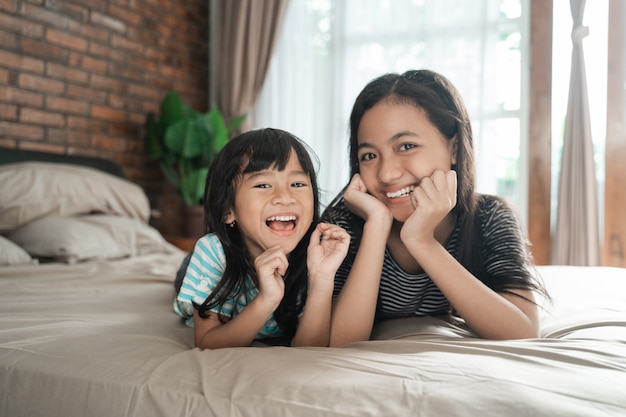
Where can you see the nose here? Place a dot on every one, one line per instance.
(389, 170)
(282, 195)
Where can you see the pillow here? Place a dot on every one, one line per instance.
(33, 190)
(90, 237)
(11, 254)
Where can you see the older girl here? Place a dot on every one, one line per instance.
(423, 241)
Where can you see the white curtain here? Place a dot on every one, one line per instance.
(576, 240)
(330, 49)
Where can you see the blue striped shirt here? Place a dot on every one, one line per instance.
(204, 272)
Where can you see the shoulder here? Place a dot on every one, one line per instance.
(493, 210)
(208, 246)
(500, 224)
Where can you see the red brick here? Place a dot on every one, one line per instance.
(106, 83)
(108, 143)
(86, 123)
(21, 26)
(66, 73)
(4, 76)
(69, 137)
(92, 64)
(8, 40)
(43, 50)
(64, 105)
(20, 131)
(42, 147)
(123, 129)
(123, 43)
(66, 40)
(88, 31)
(8, 5)
(33, 82)
(106, 52)
(8, 143)
(20, 62)
(88, 94)
(40, 14)
(108, 22)
(107, 113)
(138, 119)
(8, 112)
(74, 11)
(20, 97)
(39, 117)
(129, 16)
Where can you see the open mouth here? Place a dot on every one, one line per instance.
(406, 191)
(281, 223)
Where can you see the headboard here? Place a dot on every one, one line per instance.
(8, 156)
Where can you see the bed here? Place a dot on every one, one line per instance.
(87, 329)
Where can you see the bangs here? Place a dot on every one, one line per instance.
(273, 152)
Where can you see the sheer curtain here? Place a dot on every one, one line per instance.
(576, 240)
(330, 49)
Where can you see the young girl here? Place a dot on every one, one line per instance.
(265, 255)
(423, 242)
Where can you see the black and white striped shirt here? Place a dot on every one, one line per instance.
(402, 294)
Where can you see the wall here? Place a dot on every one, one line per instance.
(78, 77)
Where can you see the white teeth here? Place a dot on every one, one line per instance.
(282, 219)
(401, 193)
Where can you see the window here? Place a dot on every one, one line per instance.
(329, 50)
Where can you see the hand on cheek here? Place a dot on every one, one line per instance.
(432, 201)
(360, 202)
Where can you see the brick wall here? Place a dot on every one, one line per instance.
(79, 76)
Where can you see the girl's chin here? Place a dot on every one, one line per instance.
(400, 214)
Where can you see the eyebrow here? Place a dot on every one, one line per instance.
(253, 175)
(392, 139)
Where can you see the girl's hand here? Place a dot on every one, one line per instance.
(270, 267)
(432, 200)
(327, 249)
(360, 202)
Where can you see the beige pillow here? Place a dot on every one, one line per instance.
(91, 237)
(11, 254)
(33, 190)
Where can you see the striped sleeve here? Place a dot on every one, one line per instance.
(203, 274)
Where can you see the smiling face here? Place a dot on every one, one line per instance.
(273, 207)
(397, 147)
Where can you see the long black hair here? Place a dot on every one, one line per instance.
(445, 109)
(250, 152)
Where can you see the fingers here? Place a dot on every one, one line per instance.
(438, 189)
(271, 262)
(326, 231)
(357, 183)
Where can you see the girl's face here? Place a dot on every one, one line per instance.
(397, 147)
(273, 207)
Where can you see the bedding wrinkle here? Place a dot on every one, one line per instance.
(99, 339)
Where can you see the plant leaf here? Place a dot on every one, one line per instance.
(152, 141)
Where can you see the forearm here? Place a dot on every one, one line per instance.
(314, 326)
(240, 331)
(354, 309)
(489, 314)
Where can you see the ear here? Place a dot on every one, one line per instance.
(229, 217)
(453, 149)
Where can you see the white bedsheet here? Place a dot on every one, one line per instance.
(101, 339)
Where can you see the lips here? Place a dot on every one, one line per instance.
(403, 192)
(282, 223)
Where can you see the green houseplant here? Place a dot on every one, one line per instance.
(184, 141)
